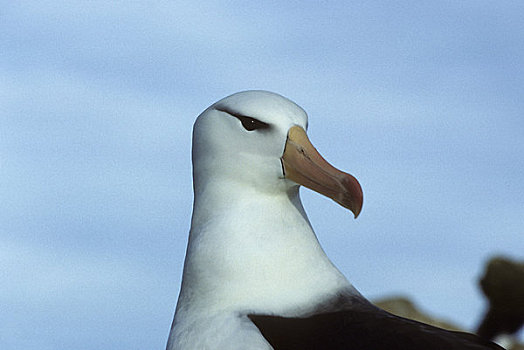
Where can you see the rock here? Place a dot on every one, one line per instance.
(503, 286)
(402, 306)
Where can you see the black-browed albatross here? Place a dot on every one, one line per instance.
(255, 276)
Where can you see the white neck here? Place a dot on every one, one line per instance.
(254, 252)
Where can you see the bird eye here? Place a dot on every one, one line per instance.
(251, 124)
(248, 123)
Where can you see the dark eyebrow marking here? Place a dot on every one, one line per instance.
(248, 123)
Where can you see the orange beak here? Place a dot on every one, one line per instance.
(304, 165)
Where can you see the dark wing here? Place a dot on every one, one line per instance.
(362, 328)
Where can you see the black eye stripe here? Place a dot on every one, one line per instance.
(251, 124)
(248, 123)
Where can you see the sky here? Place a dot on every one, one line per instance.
(420, 100)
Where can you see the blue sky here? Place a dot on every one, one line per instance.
(420, 100)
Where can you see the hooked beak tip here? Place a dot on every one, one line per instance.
(353, 197)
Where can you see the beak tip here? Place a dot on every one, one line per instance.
(356, 211)
(357, 197)
(354, 205)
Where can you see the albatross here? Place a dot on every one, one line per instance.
(255, 276)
